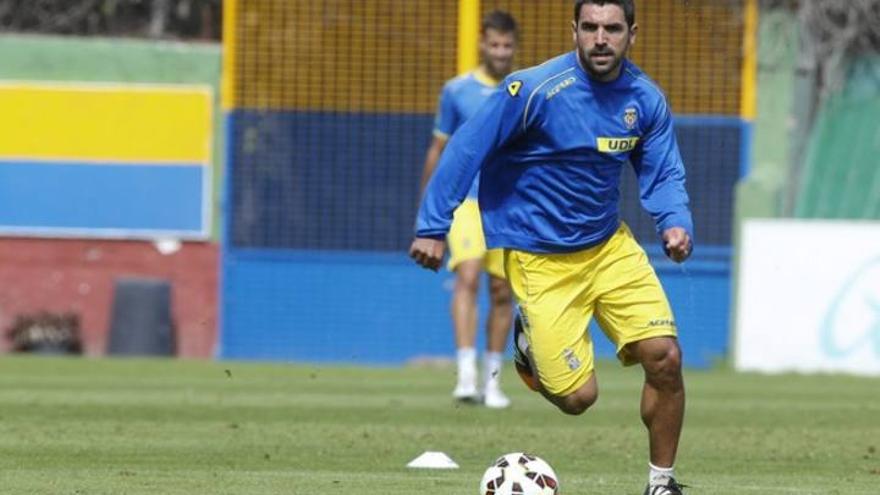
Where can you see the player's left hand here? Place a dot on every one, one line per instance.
(677, 244)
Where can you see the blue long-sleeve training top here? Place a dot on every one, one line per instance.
(550, 145)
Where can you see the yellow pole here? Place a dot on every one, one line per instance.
(748, 91)
(227, 87)
(468, 34)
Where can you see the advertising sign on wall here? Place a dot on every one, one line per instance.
(809, 297)
(105, 160)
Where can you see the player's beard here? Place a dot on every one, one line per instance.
(498, 69)
(601, 72)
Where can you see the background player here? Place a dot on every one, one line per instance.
(551, 147)
(459, 100)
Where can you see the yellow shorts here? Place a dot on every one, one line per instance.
(559, 293)
(466, 241)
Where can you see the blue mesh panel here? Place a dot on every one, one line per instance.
(710, 148)
(326, 180)
(350, 181)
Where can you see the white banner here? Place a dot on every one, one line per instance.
(808, 297)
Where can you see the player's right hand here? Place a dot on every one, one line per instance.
(428, 252)
(677, 244)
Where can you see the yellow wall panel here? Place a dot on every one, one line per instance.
(394, 55)
(692, 49)
(127, 123)
(334, 55)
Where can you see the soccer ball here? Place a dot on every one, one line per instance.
(519, 474)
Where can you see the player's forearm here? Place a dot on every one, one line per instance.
(668, 205)
(662, 186)
(431, 158)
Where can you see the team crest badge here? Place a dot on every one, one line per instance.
(630, 117)
(573, 362)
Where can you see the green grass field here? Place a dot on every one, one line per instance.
(83, 426)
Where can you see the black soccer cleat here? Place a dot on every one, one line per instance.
(521, 355)
(671, 488)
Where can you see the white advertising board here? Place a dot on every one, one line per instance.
(808, 297)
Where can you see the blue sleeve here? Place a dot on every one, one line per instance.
(495, 123)
(447, 119)
(660, 171)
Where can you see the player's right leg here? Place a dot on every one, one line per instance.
(554, 309)
(497, 328)
(466, 251)
(464, 323)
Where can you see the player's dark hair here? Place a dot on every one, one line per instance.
(628, 6)
(500, 21)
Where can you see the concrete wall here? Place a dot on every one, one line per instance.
(78, 276)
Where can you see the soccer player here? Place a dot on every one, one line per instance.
(459, 100)
(550, 147)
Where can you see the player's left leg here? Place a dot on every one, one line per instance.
(497, 329)
(662, 396)
(634, 312)
(662, 409)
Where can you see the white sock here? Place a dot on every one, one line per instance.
(660, 475)
(492, 364)
(467, 364)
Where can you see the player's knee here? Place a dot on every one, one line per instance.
(467, 277)
(670, 360)
(578, 402)
(500, 292)
(664, 366)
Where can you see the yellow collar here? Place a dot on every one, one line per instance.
(483, 77)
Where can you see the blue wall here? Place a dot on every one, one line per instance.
(85, 197)
(380, 308)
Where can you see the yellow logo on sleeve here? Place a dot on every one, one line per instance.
(514, 87)
(616, 145)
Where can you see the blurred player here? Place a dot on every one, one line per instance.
(459, 100)
(550, 148)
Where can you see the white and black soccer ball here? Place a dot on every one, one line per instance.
(519, 474)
